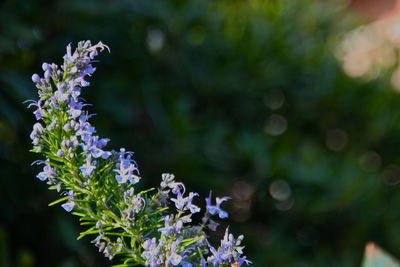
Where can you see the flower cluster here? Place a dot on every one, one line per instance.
(151, 227)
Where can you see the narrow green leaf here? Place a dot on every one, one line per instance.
(146, 191)
(91, 230)
(58, 201)
(200, 253)
(78, 214)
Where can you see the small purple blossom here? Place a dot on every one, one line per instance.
(212, 225)
(151, 252)
(126, 169)
(70, 194)
(88, 168)
(167, 226)
(229, 252)
(47, 173)
(183, 204)
(85, 130)
(179, 201)
(94, 146)
(69, 58)
(75, 109)
(170, 226)
(39, 112)
(137, 203)
(193, 208)
(175, 258)
(215, 209)
(68, 206)
(61, 97)
(168, 181)
(134, 204)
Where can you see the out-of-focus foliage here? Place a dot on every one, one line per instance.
(371, 48)
(245, 97)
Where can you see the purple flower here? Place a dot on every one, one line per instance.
(175, 258)
(39, 112)
(62, 97)
(168, 181)
(94, 48)
(68, 206)
(179, 201)
(216, 209)
(193, 208)
(88, 168)
(183, 204)
(69, 58)
(81, 82)
(69, 193)
(85, 130)
(76, 92)
(93, 54)
(151, 252)
(216, 258)
(48, 171)
(171, 226)
(88, 70)
(167, 226)
(126, 168)
(75, 109)
(93, 145)
(229, 252)
(186, 264)
(212, 225)
(137, 202)
(53, 102)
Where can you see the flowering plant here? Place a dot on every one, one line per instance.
(150, 227)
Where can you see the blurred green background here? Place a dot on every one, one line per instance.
(242, 97)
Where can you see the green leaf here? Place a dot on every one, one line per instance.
(91, 230)
(58, 201)
(79, 214)
(146, 191)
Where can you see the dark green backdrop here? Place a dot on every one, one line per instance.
(242, 97)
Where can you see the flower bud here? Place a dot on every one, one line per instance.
(74, 70)
(35, 78)
(60, 153)
(35, 141)
(45, 66)
(67, 127)
(47, 75)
